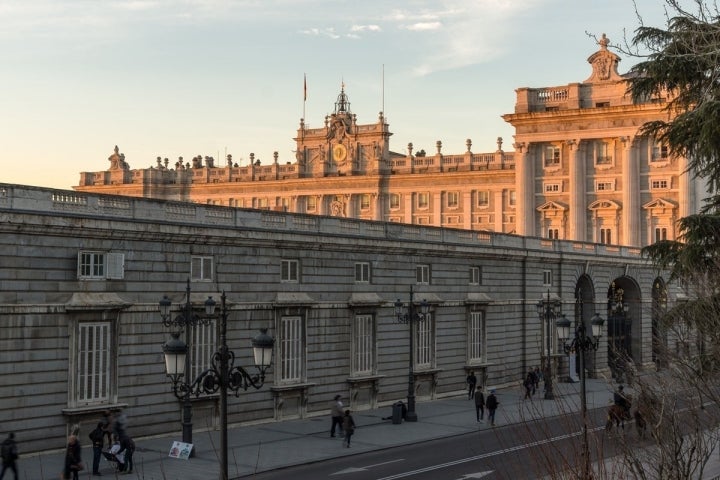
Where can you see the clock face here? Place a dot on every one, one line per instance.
(339, 152)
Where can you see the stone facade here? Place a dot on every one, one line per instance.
(82, 275)
(580, 171)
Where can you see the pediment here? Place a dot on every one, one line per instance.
(551, 206)
(661, 204)
(604, 205)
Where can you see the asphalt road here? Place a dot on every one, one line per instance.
(521, 451)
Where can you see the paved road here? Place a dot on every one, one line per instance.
(270, 446)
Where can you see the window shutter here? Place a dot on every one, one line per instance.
(115, 265)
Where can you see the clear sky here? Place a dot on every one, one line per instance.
(183, 78)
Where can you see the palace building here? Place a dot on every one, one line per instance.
(579, 171)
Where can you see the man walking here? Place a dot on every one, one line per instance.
(9, 455)
(492, 403)
(479, 404)
(336, 412)
(471, 381)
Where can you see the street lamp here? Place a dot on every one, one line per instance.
(223, 375)
(581, 342)
(184, 320)
(409, 314)
(548, 310)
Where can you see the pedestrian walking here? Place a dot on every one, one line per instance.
(479, 404)
(97, 437)
(127, 448)
(529, 383)
(73, 460)
(336, 412)
(9, 454)
(348, 424)
(537, 376)
(471, 381)
(491, 403)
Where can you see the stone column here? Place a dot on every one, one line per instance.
(578, 197)
(630, 195)
(467, 209)
(409, 207)
(686, 196)
(524, 190)
(498, 203)
(436, 208)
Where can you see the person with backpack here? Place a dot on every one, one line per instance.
(479, 403)
(9, 454)
(97, 437)
(492, 403)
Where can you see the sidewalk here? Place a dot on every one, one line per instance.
(275, 445)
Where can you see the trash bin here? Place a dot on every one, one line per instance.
(397, 413)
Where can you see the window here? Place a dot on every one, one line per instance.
(602, 104)
(291, 349)
(483, 198)
(604, 186)
(201, 268)
(453, 199)
(311, 204)
(475, 276)
(660, 234)
(553, 233)
(100, 265)
(362, 272)
(289, 271)
(603, 155)
(394, 201)
(93, 357)
(425, 343)
(203, 344)
(606, 236)
(547, 278)
(659, 184)
(552, 156)
(476, 338)
(365, 201)
(423, 200)
(363, 344)
(422, 274)
(512, 198)
(660, 153)
(552, 187)
(262, 203)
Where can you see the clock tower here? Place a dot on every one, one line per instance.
(342, 147)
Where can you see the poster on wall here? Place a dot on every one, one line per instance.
(181, 450)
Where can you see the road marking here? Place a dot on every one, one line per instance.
(362, 469)
(475, 475)
(487, 455)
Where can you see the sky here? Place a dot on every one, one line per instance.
(175, 78)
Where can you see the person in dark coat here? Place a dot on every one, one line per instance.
(73, 460)
(9, 455)
(492, 403)
(97, 437)
(471, 381)
(127, 447)
(479, 404)
(348, 426)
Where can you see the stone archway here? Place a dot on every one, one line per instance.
(624, 314)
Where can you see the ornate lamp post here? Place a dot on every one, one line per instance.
(223, 375)
(582, 343)
(409, 314)
(548, 310)
(185, 320)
